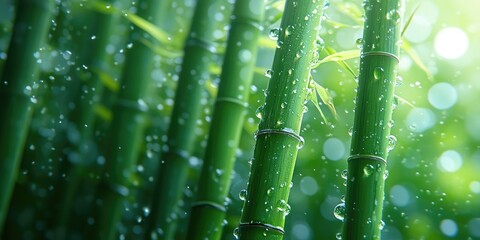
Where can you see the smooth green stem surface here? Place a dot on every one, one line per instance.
(16, 90)
(208, 212)
(278, 140)
(126, 129)
(172, 176)
(373, 112)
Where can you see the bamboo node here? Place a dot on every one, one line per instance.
(262, 225)
(202, 43)
(285, 131)
(380, 53)
(247, 21)
(210, 204)
(367, 156)
(232, 100)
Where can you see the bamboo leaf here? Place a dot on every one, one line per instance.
(326, 98)
(148, 27)
(162, 51)
(103, 112)
(342, 63)
(351, 10)
(266, 42)
(409, 20)
(339, 56)
(313, 98)
(405, 101)
(107, 80)
(407, 47)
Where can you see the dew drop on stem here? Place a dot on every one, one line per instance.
(345, 174)
(274, 33)
(283, 207)
(243, 194)
(236, 233)
(392, 142)
(368, 170)
(378, 73)
(359, 43)
(339, 211)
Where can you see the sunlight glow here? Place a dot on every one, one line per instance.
(451, 43)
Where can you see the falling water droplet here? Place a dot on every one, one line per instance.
(378, 73)
(243, 194)
(339, 211)
(368, 170)
(392, 142)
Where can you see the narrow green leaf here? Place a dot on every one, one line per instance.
(162, 51)
(266, 42)
(107, 80)
(313, 98)
(351, 10)
(405, 101)
(326, 98)
(339, 56)
(148, 27)
(407, 47)
(102, 7)
(103, 112)
(409, 20)
(342, 63)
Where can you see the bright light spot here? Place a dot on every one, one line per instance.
(420, 119)
(399, 195)
(301, 231)
(419, 29)
(475, 187)
(451, 43)
(442, 96)
(474, 227)
(334, 149)
(450, 161)
(449, 227)
(308, 186)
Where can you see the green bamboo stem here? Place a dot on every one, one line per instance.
(83, 117)
(20, 70)
(373, 112)
(208, 212)
(199, 52)
(126, 129)
(278, 140)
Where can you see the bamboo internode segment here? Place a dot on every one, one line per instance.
(380, 53)
(368, 157)
(262, 225)
(210, 204)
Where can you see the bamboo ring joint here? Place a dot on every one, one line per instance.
(210, 204)
(381, 53)
(366, 156)
(263, 225)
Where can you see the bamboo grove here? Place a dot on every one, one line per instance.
(199, 119)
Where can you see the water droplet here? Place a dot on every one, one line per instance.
(270, 191)
(385, 175)
(243, 194)
(274, 33)
(398, 81)
(381, 225)
(326, 4)
(338, 236)
(269, 73)
(345, 174)
(283, 207)
(390, 123)
(368, 170)
(236, 233)
(259, 112)
(394, 15)
(359, 43)
(342, 198)
(288, 30)
(320, 44)
(378, 73)
(339, 211)
(392, 142)
(350, 131)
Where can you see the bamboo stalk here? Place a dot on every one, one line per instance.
(278, 139)
(208, 212)
(127, 127)
(19, 73)
(172, 176)
(373, 112)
